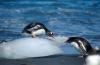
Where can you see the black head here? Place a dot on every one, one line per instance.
(35, 26)
(82, 43)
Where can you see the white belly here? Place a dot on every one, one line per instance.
(93, 60)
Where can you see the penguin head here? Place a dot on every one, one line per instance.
(81, 44)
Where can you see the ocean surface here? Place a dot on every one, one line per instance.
(64, 17)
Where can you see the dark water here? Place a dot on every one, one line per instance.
(52, 60)
(64, 17)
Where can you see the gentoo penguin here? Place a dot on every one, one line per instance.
(37, 28)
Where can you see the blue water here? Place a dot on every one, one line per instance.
(64, 17)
